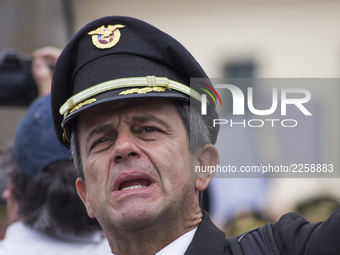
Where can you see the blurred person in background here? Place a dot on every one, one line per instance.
(317, 208)
(242, 221)
(44, 211)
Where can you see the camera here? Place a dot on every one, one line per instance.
(17, 86)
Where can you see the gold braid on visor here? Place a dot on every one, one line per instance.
(150, 83)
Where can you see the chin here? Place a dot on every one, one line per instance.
(136, 218)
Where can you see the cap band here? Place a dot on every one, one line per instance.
(148, 81)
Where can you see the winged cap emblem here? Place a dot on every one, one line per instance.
(105, 31)
(106, 37)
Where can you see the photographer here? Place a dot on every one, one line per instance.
(23, 76)
(44, 211)
(43, 60)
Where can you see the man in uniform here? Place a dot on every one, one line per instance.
(120, 101)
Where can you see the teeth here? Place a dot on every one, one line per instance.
(133, 187)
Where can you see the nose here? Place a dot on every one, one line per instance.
(126, 147)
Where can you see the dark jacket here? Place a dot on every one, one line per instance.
(291, 235)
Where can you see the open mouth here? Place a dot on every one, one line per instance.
(134, 184)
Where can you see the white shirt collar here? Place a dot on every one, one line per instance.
(180, 245)
(20, 239)
(19, 231)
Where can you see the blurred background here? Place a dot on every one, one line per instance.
(243, 38)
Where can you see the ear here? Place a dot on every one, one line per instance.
(12, 207)
(82, 192)
(207, 156)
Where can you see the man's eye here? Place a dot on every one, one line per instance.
(149, 129)
(99, 142)
(102, 140)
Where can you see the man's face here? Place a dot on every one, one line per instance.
(136, 162)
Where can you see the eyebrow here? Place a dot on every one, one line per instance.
(147, 118)
(136, 119)
(98, 130)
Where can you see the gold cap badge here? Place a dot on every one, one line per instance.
(106, 37)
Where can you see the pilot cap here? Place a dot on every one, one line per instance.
(116, 58)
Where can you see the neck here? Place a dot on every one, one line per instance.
(152, 238)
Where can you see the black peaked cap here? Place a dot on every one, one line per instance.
(115, 58)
